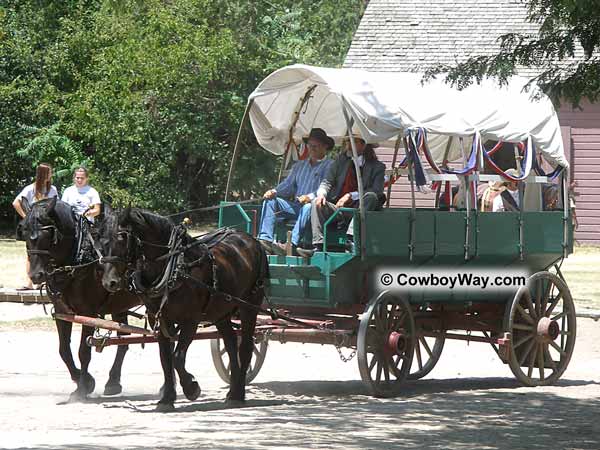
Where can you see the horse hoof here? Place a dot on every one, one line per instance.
(165, 407)
(77, 397)
(113, 389)
(89, 384)
(192, 391)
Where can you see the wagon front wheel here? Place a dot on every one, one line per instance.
(542, 323)
(428, 349)
(385, 344)
(221, 359)
(427, 354)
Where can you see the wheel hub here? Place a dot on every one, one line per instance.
(395, 343)
(548, 329)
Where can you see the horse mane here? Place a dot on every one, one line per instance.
(145, 220)
(62, 213)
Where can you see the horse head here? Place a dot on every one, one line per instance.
(128, 239)
(49, 233)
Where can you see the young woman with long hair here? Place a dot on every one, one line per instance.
(40, 189)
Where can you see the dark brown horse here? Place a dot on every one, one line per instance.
(50, 233)
(192, 279)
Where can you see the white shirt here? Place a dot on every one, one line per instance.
(498, 204)
(81, 198)
(29, 193)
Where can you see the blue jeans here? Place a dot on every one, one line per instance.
(278, 208)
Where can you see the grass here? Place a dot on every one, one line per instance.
(12, 263)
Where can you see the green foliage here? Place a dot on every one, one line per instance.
(149, 93)
(566, 52)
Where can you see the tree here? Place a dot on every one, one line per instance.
(148, 92)
(566, 51)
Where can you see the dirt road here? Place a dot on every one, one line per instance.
(304, 398)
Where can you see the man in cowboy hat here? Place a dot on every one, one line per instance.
(291, 198)
(340, 189)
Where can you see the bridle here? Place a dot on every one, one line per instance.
(56, 236)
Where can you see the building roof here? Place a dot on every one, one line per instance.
(411, 35)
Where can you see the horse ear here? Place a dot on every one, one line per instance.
(125, 216)
(25, 205)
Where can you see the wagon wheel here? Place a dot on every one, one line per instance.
(221, 359)
(385, 344)
(542, 322)
(427, 352)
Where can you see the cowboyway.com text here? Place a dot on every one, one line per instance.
(444, 278)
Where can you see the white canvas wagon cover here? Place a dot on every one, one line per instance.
(384, 104)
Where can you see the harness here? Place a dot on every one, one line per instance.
(82, 257)
(176, 268)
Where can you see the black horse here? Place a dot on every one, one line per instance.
(50, 232)
(185, 282)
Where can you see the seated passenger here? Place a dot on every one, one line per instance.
(291, 198)
(340, 189)
(490, 191)
(508, 200)
(550, 195)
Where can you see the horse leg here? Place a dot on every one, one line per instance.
(248, 320)
(64, 329)
(86, 383)
(113, 385)
(190, 386)
(230, 342)
(167, 400)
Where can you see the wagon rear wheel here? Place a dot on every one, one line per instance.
(542, 322)
(221, 359)
(385, 345)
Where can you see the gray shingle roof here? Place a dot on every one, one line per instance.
(410, 35)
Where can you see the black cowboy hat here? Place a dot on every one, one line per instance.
(319, 135)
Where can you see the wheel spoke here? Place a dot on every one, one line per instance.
(372, 363)
(522, 326)
(559, 316)
(530, 306)
(557, 348)
(548, 357)
(553, 304)
(379, 325)
(378, 376)
(418, 352)
(386, 371)
(541, 361)
(524, 314)
(398, 320)
(546, 296)
(539, 284)
(532, 361)
(223, 351)
(426, 345)
(522, 340)
(526, 353)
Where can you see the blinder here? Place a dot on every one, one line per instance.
(35, 235)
